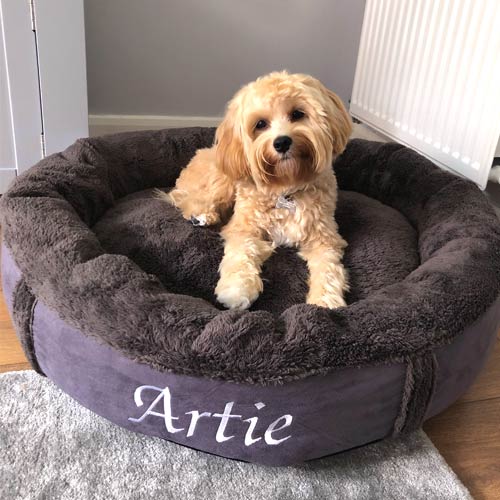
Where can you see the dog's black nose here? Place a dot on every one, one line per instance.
(282, 143)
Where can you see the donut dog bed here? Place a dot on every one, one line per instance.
(112, 295)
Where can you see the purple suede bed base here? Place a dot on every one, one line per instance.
(273, 425)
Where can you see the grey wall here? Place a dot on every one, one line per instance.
(187, 57)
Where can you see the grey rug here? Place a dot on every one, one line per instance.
(52, 448)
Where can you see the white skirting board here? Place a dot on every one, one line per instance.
(107, 124)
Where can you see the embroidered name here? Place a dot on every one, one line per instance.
(163, 401)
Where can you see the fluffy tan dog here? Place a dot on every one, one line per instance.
(272, 164)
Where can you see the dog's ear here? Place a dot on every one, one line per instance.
(229, 152)
(340, 122)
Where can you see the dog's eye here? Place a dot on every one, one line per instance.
(296, 114)
(261, 124)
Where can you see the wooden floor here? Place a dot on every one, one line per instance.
(467, 434)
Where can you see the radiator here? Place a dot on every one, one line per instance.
(428, 76)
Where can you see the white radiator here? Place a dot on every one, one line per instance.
(428, 75)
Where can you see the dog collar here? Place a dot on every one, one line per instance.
(286, 201)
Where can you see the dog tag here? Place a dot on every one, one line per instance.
(286, 202)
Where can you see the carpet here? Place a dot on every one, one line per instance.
(52, 448)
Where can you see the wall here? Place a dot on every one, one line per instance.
(188, 57)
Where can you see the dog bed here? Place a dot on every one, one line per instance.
(111, 292)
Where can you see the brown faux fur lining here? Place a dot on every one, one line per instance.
(49, 211)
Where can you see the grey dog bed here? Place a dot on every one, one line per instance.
(112, 295)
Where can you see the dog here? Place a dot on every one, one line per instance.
(271, 167)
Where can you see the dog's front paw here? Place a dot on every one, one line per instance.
(238, 293)
(206, 219)
(329, 300)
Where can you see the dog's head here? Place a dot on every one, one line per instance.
(282, 130)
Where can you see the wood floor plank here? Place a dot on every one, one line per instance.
(487, 385)
(10, 349)
(15, 367)
(11, 352)
(468, 437)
